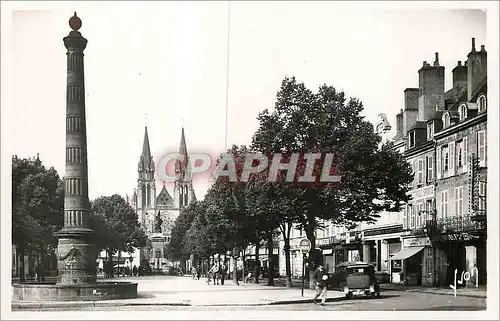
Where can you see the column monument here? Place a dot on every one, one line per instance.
(76, 253)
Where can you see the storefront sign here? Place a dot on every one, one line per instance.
(417, 241)
(424, 192)
(305, 246)
(459, 237)
(386, 230)
(327, 251)
(323, 241)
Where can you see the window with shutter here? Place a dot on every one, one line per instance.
(482, 197)
(405, 218)
(412, 216)
(430, 169)
(444, 204)
(481, 148)
(420, 171)
(451, 151)
(464, 155)
(459, 155)
(439, 170)
(415, 173)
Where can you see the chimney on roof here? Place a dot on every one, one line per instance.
(436, 62)
(410, 113)
(476, 69)
(459, 74)
(431, 86)
(399, 121)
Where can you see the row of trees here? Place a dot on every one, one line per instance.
(38, 212)
(375, 178)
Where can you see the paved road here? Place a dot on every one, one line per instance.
(390, 301)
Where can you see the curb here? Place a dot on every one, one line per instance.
(340, 298)
(480, 296)
(60, 305)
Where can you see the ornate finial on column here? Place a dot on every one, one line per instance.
(75, 23)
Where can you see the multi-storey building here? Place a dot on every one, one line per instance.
(443, 227)
(448, 192)
(461, 162)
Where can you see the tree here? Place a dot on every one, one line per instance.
(176, 248)
(37, 207)
(373, 179)
(229, 220)
(116, 226)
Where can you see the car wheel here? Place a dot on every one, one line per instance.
(349, 295)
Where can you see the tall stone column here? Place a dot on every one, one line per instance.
(76, 254)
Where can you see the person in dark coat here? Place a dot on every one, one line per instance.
(321, 278)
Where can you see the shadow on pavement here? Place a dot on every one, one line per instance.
(382, 296)
(451, 309)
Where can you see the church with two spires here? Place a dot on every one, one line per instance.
(157, 212)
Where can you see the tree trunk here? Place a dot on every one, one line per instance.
(257, 262)
(21, 264)
(235, 266)
(110, 264)
(270, 263)
(285, 231)
(309, 229)
(288, 278)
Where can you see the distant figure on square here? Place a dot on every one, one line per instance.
(223, 273)
(321, 278)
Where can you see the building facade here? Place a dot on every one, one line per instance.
(445, 222)
(442, 134)
(157, 212)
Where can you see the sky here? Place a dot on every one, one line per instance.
(164, 64)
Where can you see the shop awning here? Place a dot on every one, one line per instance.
(407, 252)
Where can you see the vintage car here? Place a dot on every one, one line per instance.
(355, 278)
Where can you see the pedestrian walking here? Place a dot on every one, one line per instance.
(321, 278)
(223, 273)
(193, 272)
(215, 273)
(198, 273)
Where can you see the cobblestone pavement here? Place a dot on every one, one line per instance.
(393, 301)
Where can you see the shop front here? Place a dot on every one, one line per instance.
(379, 244)
(414, 260)
(326, 246)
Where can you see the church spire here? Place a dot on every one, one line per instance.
(146, 151)
(182, 161)
(146, 164)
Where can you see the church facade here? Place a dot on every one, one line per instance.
(157, 212)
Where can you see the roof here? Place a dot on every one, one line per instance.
(437, 115)
(481, 88)
(164, 198)
(449, 95)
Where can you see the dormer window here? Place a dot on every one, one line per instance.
(412, 139)
(430, 130)
(446, 120)
(462, 112)
(482, 103)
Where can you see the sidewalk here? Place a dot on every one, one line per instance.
(188, 292)
(480, 292)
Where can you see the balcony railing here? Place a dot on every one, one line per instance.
(462, 223)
